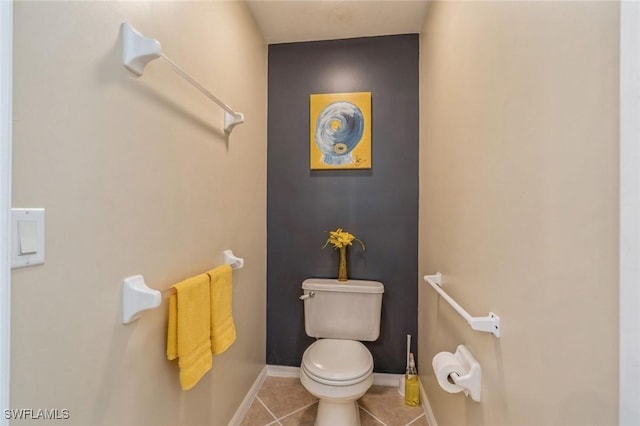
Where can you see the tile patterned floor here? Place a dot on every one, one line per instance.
(285, 402)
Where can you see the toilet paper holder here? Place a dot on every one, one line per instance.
(470, 381)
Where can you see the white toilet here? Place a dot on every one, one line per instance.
(337, 368)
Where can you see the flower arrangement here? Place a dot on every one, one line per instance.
(340, 240)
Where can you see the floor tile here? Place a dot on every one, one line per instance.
(367, 420)
(386, 404)
(422, 421)
(292, 405)
(284, 395)
(304, 417)
(257, 415)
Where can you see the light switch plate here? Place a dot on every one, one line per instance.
(33, 238)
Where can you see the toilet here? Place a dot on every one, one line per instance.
(337, 368)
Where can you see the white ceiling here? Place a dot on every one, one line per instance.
(285, 21)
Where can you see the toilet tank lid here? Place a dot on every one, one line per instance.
(349, 286)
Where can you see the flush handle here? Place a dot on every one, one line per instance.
(308, 295)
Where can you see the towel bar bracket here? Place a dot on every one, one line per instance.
(232, 260)
(138, 50)
(231, 121)
(488, 324)
(137, 297)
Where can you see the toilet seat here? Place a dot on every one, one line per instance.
(337, 362)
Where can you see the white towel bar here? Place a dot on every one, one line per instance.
(138, 297)
(138, 50)
(488, 324)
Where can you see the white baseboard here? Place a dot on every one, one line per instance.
(387, 379)
(283, 371)
(243, 409)
(426, 407)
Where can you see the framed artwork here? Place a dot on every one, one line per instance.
(340, 131)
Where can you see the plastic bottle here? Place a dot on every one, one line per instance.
(411, 384)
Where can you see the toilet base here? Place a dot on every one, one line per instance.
(332, 413)
(337, 405)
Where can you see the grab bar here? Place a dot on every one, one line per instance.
(488, 324)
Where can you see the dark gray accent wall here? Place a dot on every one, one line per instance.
(379, 206)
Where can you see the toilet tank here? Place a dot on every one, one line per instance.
(342, 310)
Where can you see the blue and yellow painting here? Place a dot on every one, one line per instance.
(340, 131)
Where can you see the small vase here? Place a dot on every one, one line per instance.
(342, 269)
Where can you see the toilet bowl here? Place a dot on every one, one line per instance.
(338, 373)
(338, 369)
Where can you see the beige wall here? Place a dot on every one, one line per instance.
(519, 207)
(137, 177)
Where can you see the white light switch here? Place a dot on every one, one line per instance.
(27, 237)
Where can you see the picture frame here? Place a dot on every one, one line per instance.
(340, 131)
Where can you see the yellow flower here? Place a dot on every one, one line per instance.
(340, 238)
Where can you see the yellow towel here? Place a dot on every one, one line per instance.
(189, 329)
(223, 330)
(172, 328)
